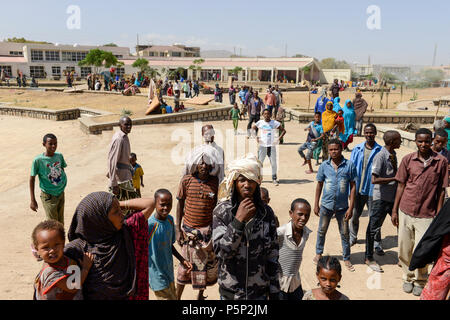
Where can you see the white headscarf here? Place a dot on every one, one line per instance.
(201, 153)
(248, 166)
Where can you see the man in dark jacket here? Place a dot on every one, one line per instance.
(245, 236)
(335, 87)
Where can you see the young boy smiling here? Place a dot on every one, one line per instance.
(292, 238)
(161, 249)
(49, 166)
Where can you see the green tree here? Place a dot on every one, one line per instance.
(331, 63)
(432, 75)
(196, 65)
(100, 59)
(140, 63)
(298, 55)
(23, 40)
(110, 45)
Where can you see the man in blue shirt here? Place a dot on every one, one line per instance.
(314, 135)
(362, 157)
(321, 102)
(335, 176)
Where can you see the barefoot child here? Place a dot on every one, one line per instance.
(138, 174)
(266, 199)
(49, 166)
(52, 281)
(161, 249)
(328, 274)
(314, 135)
(292, 238)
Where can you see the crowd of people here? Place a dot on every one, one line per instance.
(123, 244)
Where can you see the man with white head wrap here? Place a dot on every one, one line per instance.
(217, 153)
(197, 197)
(245, 235)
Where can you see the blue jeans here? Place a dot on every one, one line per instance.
(270, 108)
(378, 213)
(310, 146)
(324, 221)
(297, 294)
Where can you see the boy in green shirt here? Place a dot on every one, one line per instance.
(49, 166)
(235, 115)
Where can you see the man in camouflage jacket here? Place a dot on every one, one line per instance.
(247, 252)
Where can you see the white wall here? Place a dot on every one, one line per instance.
(328, 75)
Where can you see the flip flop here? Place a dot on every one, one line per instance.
(350, 267)
(374, 266)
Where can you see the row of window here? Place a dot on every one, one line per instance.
(16, 53)
(50, 55)
(39, 71)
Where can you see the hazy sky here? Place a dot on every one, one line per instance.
(409, 29)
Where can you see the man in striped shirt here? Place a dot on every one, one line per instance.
(197, 198)
(292, 238)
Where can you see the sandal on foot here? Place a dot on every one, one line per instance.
(349, 266)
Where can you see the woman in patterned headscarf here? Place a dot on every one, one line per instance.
(120, 245)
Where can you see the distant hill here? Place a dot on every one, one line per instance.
(216, 54)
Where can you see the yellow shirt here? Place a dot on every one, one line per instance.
(138, 173)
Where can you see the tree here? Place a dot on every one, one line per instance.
(140, 63)
(196, 65)
(23, 40)
(331, 63)
(174, 74)
(432, 75)
(98, 58)
(298, 55)
(389, 77)
(110, 45)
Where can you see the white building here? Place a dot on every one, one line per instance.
(51, 60)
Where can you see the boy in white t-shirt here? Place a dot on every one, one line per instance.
(267, 141)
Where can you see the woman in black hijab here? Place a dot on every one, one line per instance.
(98, 226)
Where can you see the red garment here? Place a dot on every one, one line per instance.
(139, 233)
(438, 283)
(349, 140)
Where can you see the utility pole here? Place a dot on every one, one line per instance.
(285, 51)
(137, 45)
(434, 56)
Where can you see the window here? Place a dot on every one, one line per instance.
(56, 70)
(118, 56)
(176, 54)
(85, 71)
(161, 54)
(37, 71)
(37, 55)
(7, 69)
(151, 54)
(52, 55)
(16, 53)
(73, 56)
(120, 72)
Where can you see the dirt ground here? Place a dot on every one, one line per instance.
(155, 146)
